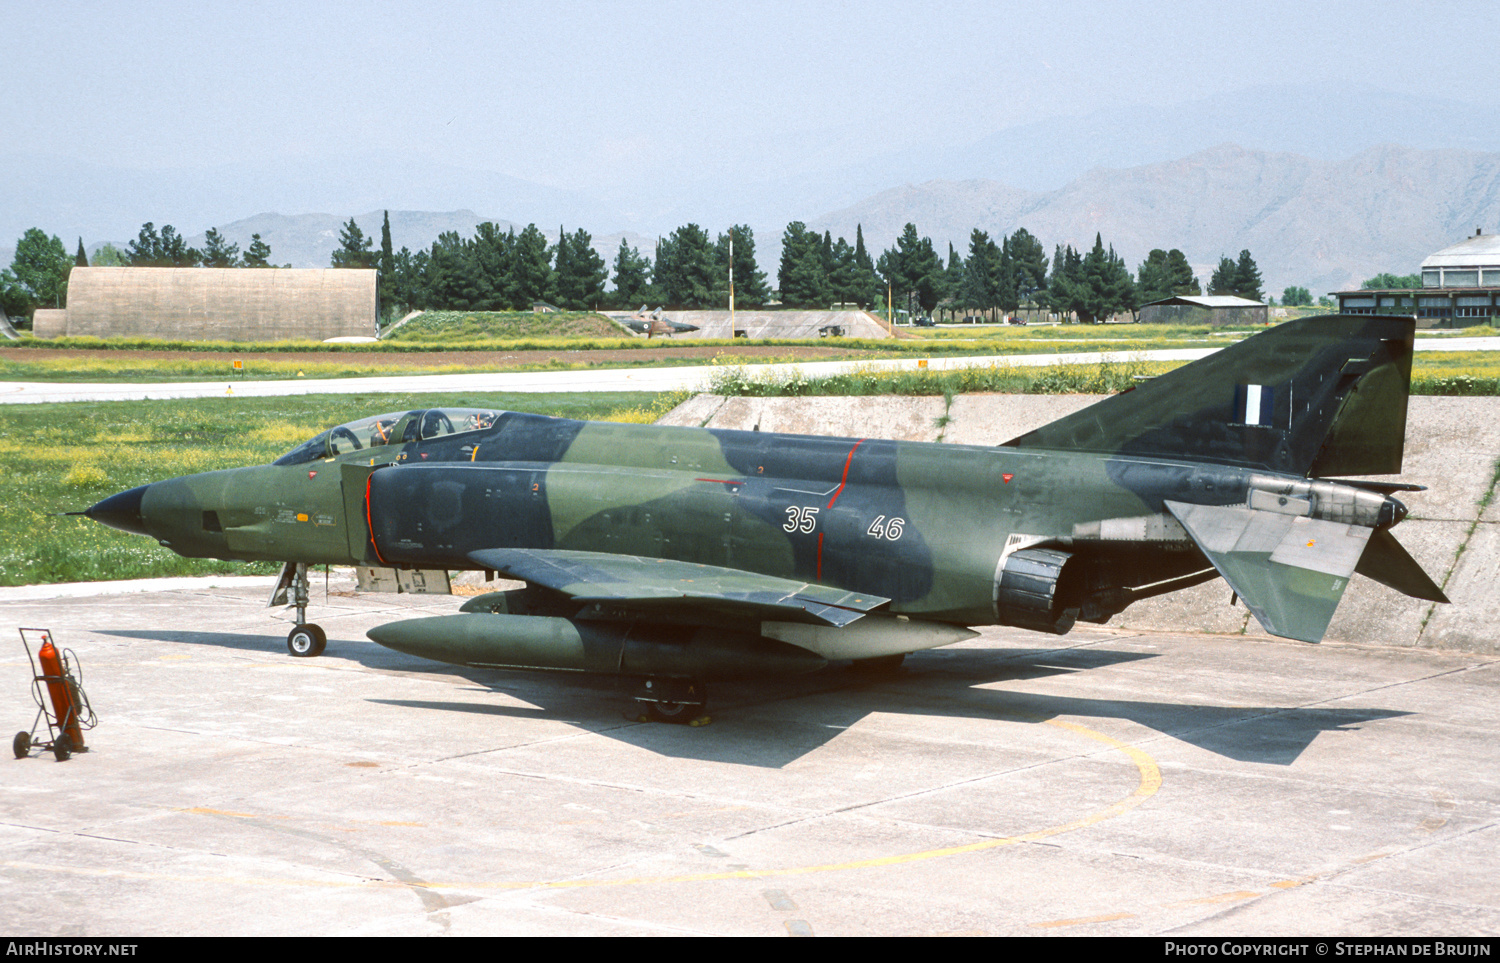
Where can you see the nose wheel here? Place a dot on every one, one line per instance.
(306, 641)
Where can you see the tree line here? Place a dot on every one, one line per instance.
(507, 269)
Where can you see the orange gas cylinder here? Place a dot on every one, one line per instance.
(63, 704)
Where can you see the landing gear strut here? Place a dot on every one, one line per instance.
(678, 701)
(305, 640)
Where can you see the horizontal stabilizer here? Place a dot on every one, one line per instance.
(1291, 570)
(659, 586)
(1388, 563)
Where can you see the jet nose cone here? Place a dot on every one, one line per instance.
(1391, 513)
(122, 511)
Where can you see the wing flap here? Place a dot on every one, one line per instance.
(657, 585)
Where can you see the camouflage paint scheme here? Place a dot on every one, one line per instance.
(766, 547)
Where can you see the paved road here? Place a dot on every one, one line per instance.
(689, 378)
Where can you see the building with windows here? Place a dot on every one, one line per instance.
(1460, 288)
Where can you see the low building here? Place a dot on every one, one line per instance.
(1460, 288)
(1215, 309)
(216, 304)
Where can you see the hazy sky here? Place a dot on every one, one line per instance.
(574, 94)
(618, 99)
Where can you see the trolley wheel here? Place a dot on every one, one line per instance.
(62, 747)
(306, 641)
(21, 744)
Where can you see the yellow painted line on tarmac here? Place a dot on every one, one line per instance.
(205, 811)
(1149, 782)
(1235, 897)
(1107, 918)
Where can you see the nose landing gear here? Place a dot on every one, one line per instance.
(306, 640)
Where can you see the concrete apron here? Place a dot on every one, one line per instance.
(1452, 446)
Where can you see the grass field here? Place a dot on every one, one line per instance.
(504, 325)
(64, 457)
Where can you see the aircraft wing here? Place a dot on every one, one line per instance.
(663, 587)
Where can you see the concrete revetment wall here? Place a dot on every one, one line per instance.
(1453, 531)
(220, 304)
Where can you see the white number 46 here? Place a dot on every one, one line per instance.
(881, 528)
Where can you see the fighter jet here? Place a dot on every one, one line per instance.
(682, 556)
(654, 324)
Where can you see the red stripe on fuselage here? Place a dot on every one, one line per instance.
(369, 522)
(837, 492)
(843, 481)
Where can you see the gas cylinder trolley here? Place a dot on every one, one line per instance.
(60, 681)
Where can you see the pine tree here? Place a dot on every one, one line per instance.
(1030, 260)
(750, 289)
(684, 273)
(354, 248)
(484, 281)
(913, 270)
(386, 264)
(258, 254)
(1151, 277)
(953, 275)
(868, 287)
(981, 282)
(802, 279)
(1106, 288)
(1247, 278)
(1223, 280)
(632, 276)
(218, 252)
(145, 250)
(843, 281)
(1180, 277)
(533, 276)
(581, 275)
(446, 273)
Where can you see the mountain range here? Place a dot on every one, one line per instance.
(1324, 225)
(1312, 192)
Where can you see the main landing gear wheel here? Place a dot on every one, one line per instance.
(677, 713)
(306, 641)
(21, 744)
(678, 701)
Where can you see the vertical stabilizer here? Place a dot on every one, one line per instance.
(1318, 396)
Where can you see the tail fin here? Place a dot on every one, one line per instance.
(1318, 396)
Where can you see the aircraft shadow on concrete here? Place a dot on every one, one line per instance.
(950, 683)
